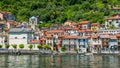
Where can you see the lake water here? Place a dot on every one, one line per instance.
(59, 61)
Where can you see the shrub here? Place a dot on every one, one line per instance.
(21, 46)
(63, 48)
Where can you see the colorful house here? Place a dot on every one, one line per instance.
(70, 43)
(83, 44)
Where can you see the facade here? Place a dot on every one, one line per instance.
(113, 42)
(83, 44)
(96, 43)
(105, 41)
(118, 41)
(84, 25)
(109, 31)
(115, 21)
(95, 27)
(3, 40)
(33, 21)
(20, 36)
(70, 43)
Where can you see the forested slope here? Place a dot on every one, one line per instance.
(59, 11)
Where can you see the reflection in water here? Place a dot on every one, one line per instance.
(59, 61)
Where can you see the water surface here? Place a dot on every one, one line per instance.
(59, 61)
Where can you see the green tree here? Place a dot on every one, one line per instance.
(30, 46)
(0, 45)
(21, 46)
(14, 46)
(39, 46)
(76, 50)
(46, 46)
(7, 46)
(63, 48)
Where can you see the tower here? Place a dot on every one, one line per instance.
(33, 22)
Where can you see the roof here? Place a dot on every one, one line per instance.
(104, 36)
(49, 36)
(95, 24)
(35, 41)
(84, 37)
(70, 37)
(84, 22)
(2, 35)
(42, 38)
(5, 12)
(81, 31)
(112, 37)
(94, 35)
(115, 17)
(17, 30)
(55, 31)
(118, 35)
(88, 30)
(69, 28)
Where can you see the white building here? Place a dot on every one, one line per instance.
(2, 40)
(20, 36)
(108, 31)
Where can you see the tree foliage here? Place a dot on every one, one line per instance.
(63, 48)
(0, 45)
(14, 46)
(39, 46)
(46, 46)
(7, 46)
(58, 11)
(30, 46)
(21, 46)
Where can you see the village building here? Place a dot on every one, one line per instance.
(95, 27)
(70, 43)
(112, 22)
(83, 44)
(84, 25)
(20, 36)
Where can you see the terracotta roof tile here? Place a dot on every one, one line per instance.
(88, 30)
(83, 22)
(112, 36)
(55, 31)
(81, 31)
(35, 41)
(49, 36)
(118, 35)
(95, 24)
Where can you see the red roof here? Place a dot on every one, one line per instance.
(42, 38)
(115, 17)
(81, 31)
(94, 36)
(55, 31)
(49, 36)
(95, 24)
(88, 30)
(83, 22)
(118, 35)
(35, 41)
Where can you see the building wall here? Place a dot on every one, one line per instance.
(19, 38)
(2, 41)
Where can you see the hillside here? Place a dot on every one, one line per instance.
(59, 11)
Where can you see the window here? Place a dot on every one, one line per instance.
(23, 37)
(15, 37)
